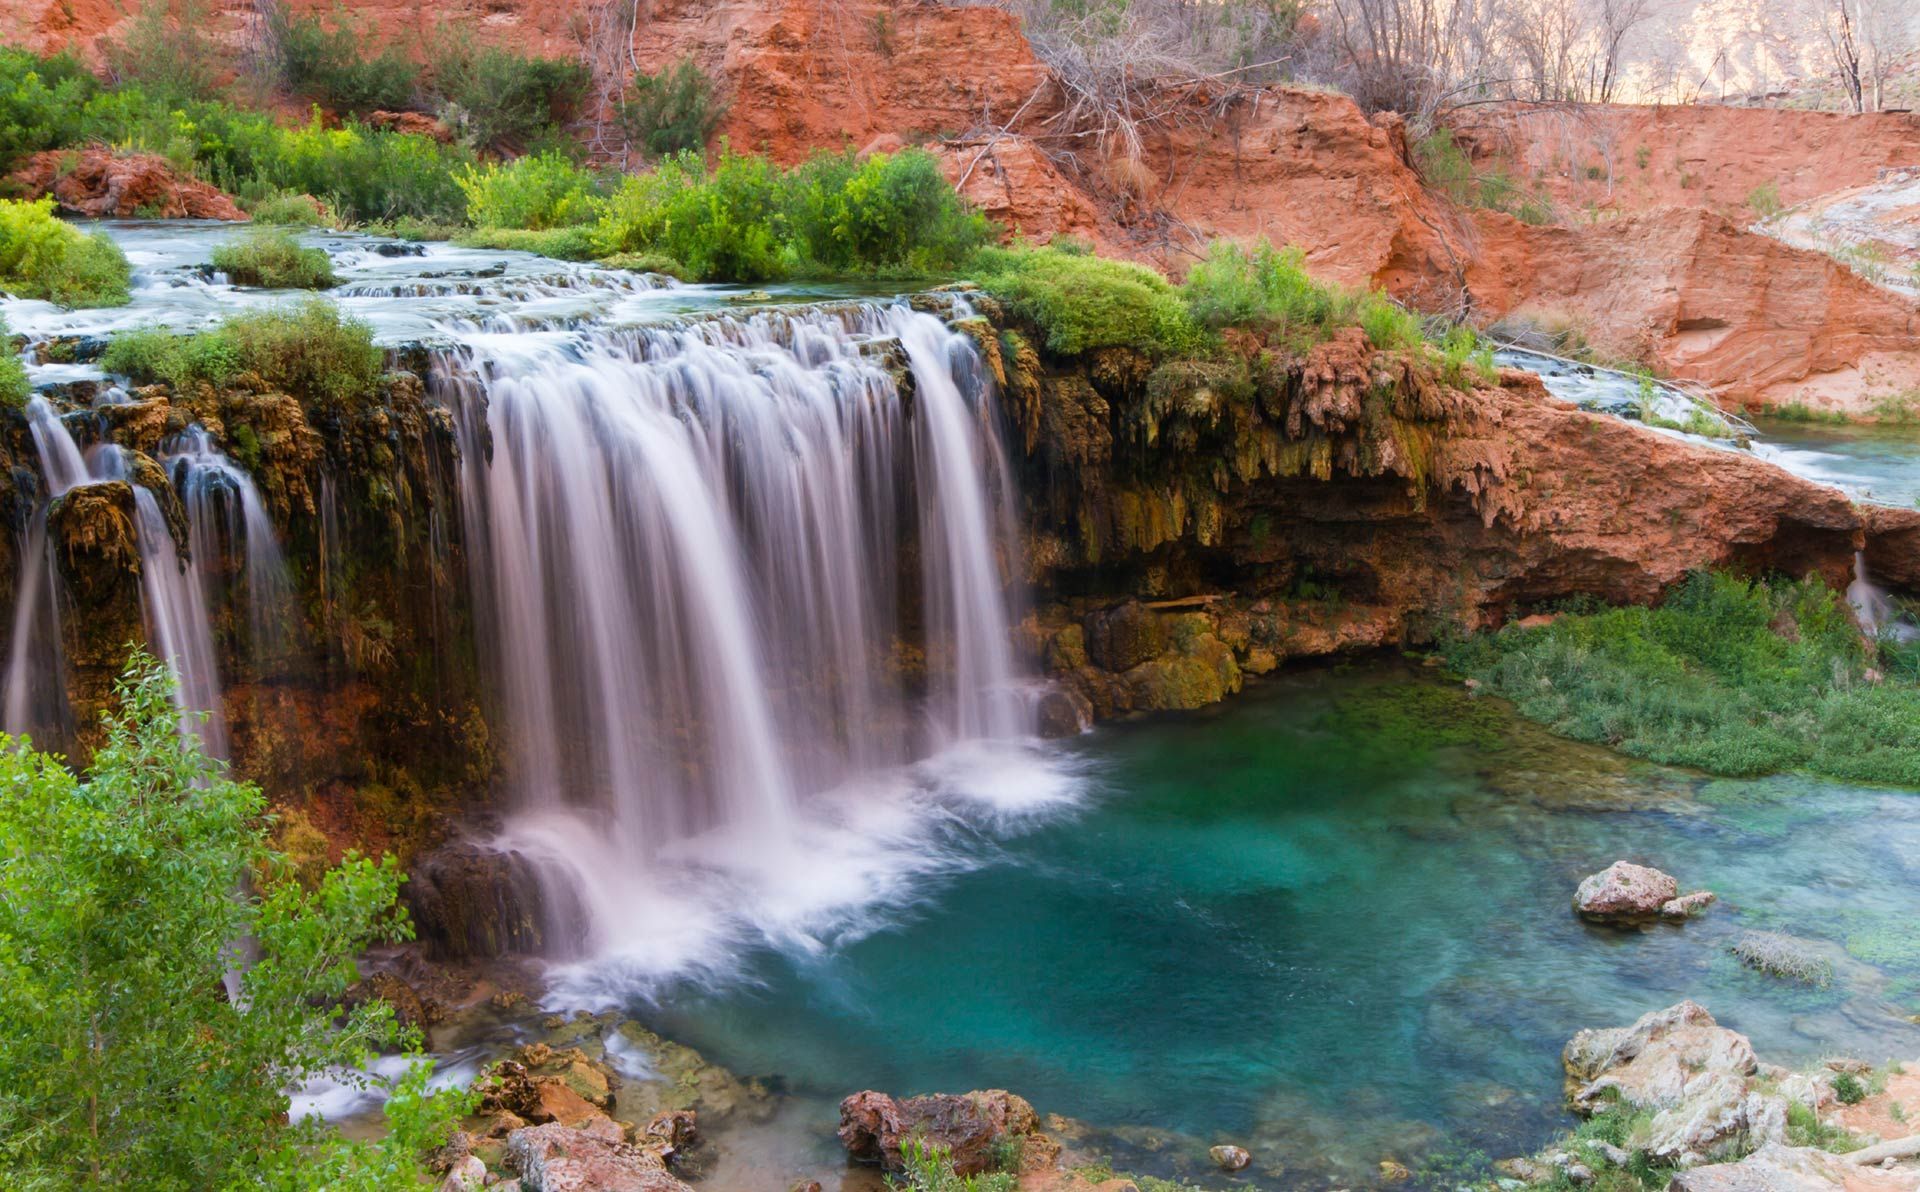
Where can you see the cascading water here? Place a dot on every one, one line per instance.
(1873, 608)
(231, 538)
(722, 635)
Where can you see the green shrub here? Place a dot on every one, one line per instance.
(43, 257)
(305, 349)
(273, 259)
(1389, 326)
(565, 244)
(535, 193)
(1709, 679)
(1804, 1128)
(1764, 200)
(15, 389)
(888, 212)
(1082, 302)
(1849, 1089)
(169, 52)
(503, 101)
(721, 226)
(290, 209)
(1266, 290)
(119, 1042)
(328, 65)
(674, 111)
(928, 1167)
(366, 174)
(41, 100)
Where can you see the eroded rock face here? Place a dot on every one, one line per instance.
(470, 900)
(554, 1158)
(972, 1126)
(1694, 1073)
(99, 183)
(1625, 894)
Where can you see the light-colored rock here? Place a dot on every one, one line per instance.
(468, 1175)
(1686, 906)
(1772, 1168)
(553, 1158)
(972, 1126)
(1624, 893)
(1694, 1073)
(1230, 1158)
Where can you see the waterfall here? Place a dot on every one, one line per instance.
(1873, 608)
(231, 537)
(224, 510)
(735, 589)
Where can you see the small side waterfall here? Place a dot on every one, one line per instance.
(225, 517)
(1873, 608)
(733, 583)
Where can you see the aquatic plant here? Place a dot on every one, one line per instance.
(42, 256)
(273, 259)
(121, 1047)
(1732, 675)
(1780, 955)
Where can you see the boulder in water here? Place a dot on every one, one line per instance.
(468, 900)
(1229, 1158)
(977, 1128)
(1625, 894)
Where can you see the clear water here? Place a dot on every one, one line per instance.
(1331, 921)
(1869, 463)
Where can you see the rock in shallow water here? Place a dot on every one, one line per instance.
(975, 1127)
(1230, 1158)
(1624, 894)
(553, 1158)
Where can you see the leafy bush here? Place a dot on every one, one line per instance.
(290, 209)
(168, 52)
(720, 226)
(535, 193)
(1444, 166)
(563, 244)
(892, 211)
(1085, 302)
(1389, 326)
(307, 350)
(120, 898)
(928, 1167)
(328, 64)
(1731, 675)
(15, 389)
(674, 111)
(365, 173)
(273, 259)
(40, 102)
(503, 101)
(1849, 1089)
(43, 257)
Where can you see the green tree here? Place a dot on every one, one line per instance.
(124, 897)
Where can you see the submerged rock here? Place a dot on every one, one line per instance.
(978, 1128)
(1625, 894)
(1686, 906)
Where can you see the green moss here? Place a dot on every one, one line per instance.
(272, 259)
(1733, 676)
(1083, 302)
(43, 257)
(1415, 719)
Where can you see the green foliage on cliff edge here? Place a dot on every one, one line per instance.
(1734, 676)
(123, 1061)
(306, 349)
(14, 386)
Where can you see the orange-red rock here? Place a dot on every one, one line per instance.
(100, 183)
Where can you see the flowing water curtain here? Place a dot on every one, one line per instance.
(722, 567)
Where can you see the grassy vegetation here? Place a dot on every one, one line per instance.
(1443, 165)
(1735, 676)
(15, 389)
(271, 258)
(1804, 1128)
(306, 349)
(43, 257)
(929, 1168)
(1084, 302)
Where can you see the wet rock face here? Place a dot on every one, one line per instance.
(977, 1128)
(468, 900)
